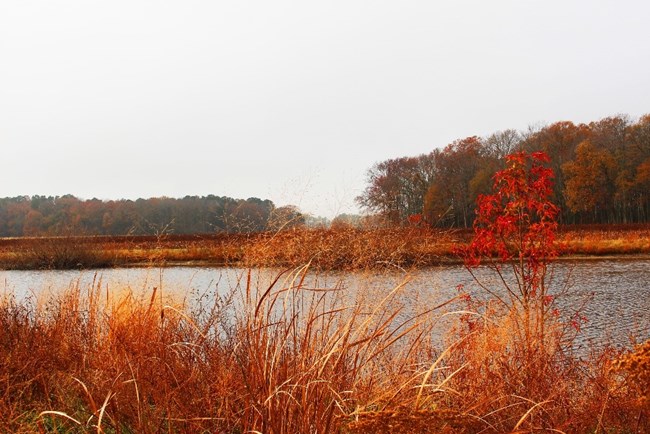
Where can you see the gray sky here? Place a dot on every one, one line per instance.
(291, 100)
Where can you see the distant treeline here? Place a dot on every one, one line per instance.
(602, 174)
(65, 215)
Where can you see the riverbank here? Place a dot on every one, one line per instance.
(288, 358)
(345, 248)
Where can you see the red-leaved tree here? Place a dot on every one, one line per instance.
(514, 235)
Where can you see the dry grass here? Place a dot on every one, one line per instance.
(341, 248)
(292, 359)
(552, 391)
(634, 367)
(349, 248)
(67, 252)
(288, 358)
(605, 240)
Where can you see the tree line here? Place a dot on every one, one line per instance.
(66, 215)
(602, 174)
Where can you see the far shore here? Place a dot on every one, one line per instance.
(330, 249)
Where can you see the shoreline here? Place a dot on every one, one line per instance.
(325, 249)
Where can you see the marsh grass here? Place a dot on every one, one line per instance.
(341, 248)
(284, 356)
(61, 253)
(290, 359)
(605, 240)
(350, 248)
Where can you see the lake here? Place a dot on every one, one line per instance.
(614, 295)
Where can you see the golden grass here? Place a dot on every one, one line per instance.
(291, 360)
(605, 241)
(288, 358)
(341, 248)
(635, 367)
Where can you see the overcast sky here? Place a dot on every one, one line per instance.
(292, 100)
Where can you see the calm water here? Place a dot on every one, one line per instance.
(614, 295)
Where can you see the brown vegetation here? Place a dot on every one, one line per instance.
(293, 359)
(600, 240)
(340, 248)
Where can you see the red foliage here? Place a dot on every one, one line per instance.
(518, 221)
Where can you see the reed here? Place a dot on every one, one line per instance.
(342, 248)
(606, 240)
(64, 252)
(350, 248)
(292, 359)
(284, 356)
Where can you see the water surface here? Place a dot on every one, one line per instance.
(613, 295)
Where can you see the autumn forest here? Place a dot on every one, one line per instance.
(602, 174)
(68, 215)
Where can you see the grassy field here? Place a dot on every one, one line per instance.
(345, 249)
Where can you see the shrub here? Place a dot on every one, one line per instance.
(64, 252)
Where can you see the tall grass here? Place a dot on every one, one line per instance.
(339, 248)
(64, 252)
(286, 357)
(605, 240)
(350, 248)
(290, 359)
